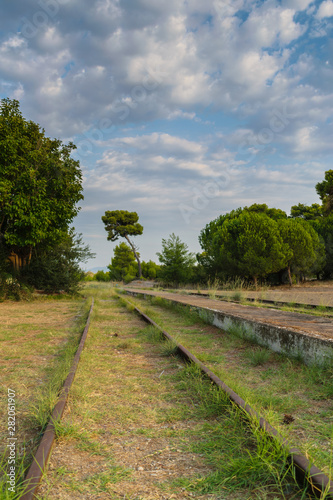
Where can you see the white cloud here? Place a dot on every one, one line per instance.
(167, 96)
(325, 9)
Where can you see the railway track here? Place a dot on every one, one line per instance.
(305, 471)
(38, 467)
(318, 481)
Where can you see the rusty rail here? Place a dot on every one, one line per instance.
(305, 472)
(39, 464)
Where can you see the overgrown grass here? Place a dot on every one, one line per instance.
(273, 384)
(34, 404)
(241, 456)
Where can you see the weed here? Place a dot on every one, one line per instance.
(237, 297)
(258, 357)
(153, 334)
(41, 410)
(213, 286)
(240, 460)
(169, 348)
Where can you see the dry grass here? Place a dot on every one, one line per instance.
(116, 440)
(32, 337)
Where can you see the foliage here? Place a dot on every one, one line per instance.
(325, 231)
(56, 268)
(312, 212)
(259, 241)
(40, 183)
(150, 270)
(325, 192)
(306, 250)
(176, 260)
(212, 237)
(102, 276)
(123, 266)
(121, 223)
(252, 246)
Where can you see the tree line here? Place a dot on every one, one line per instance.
(258, 242)
(255, 243)
(41, 186)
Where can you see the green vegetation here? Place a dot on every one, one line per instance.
(177, 262)
(258, 242)
(122, 267)
(40, 186)
(325, 192)
(273, 384)
(120, 223)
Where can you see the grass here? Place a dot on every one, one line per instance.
(241, 460)
(237, 296)
(274, 384)
(213, 286)
(258, 357)
(162, 426)
(42, 337)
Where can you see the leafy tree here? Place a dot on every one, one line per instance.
(273, 213)
(252, 246)
(225, 253)
(150, 270)
(210, 241)
(321, 219)
(57, 267)
(102, 276)
(306, 250)
(40, 184)
(301, 211)
(325, 192)
(325, 231)
(120, 223)
(123, 266)
(176, 260)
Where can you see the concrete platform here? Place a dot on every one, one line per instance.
(288, 332)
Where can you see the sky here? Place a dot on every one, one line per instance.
(181, 110)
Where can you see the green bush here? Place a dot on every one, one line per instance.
(102, 276)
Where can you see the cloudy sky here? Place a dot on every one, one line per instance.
(180, 109)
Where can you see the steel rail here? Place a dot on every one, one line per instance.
(37, 468)
(305, 472)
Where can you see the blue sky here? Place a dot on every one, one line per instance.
(181, 110)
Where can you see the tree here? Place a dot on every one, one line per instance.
(321, 219)
(120, 223)
(102, 276)
(252, 246)
(123, 266)
(325, 231)
(150, 270)
(244, 242)
(40, 184)
(176, 260)
(306, 252)
(55, 268)
(312, 212)
(325, 192)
